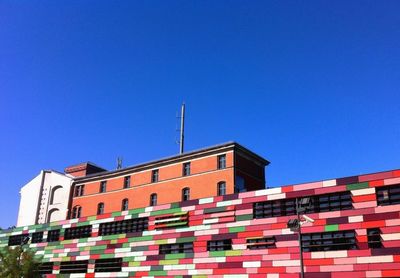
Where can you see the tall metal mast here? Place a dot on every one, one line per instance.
(182, 136)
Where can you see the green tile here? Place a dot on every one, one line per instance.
(165, 211)
(175, 256)
(168, 262)
(185, 239)
(217, 253)
(356, 186)
(244, 217)
(158, 273)
(331, 228)
(237, 229)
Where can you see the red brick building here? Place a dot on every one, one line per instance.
(218, 170)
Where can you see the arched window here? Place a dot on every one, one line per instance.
(153, 199)
(76, 212)
(100, 208)
(125, 204)
(221, 188)
(186, 194)
(56, 195)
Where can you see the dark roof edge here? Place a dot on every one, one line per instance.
(230, 144)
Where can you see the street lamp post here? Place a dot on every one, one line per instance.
(295, 225)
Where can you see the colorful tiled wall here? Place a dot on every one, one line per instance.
(231, 217)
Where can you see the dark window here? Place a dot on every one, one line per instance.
(79, 190)
(154, 175)
(53, 235)
(374, 238)
(125, 204)
(73, 267)
(186, 194)
(153, 199)
(76, 212)
(319, 203)
(342, 240)
(239, 184)
(37, 237)
(103, 186)
(261, 243)
(125, 226)
(222, 161)
(221, 188)
(45, 268)
(186, 169)
(388, 195)
(175, 248)
(127, 182)
(108, 265)
(100, 208)
(219, 245)
(78, 232)
(16, 240)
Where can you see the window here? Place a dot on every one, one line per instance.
(154, 175)
(108, 265)
(388, 195)
(16, 240)
(186, 169)
(221, 188)
(261, 243)
(219, 245)
(186, 194)
(79, 190)
(153, 199)
(221, 161)
(239, 185)
(186, 247)
(45, 268)
(319, 203)
(73, 267)
(100, 208)
(342, 240)
(53, 235)
(127, 181)
(103, 185)
(125, 226)
(78, 232)
(76, 212)
(374, 238)
(125, 204)
(37, 237)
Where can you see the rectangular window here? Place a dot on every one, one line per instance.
(125, 226)
(127, 182)
(341, 240)
(319, 203)
(154, 175)
(45, 268)
(219, 245)
(261, 243)
(37, 237)
(53, 235)
(388, 195)
(103, 185)
(186, 247)
(222, 161)
(78, 232)
(186, 169)
(74, 267)
(16, 240)
(108, 265)
(374, 238)
(79, 190)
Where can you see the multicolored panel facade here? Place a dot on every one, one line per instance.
(356, 233)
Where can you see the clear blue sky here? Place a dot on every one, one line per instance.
(311, 86)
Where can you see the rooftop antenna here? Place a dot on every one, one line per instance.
(182, 129)
(119, 163)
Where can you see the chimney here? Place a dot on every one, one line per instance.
(83, 169)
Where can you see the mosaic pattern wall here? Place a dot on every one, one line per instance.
(356, 233)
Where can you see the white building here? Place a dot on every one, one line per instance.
(45, 198)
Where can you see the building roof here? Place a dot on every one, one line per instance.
(176, 158)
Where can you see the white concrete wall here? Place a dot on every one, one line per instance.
(30, 195)
(50, 191)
